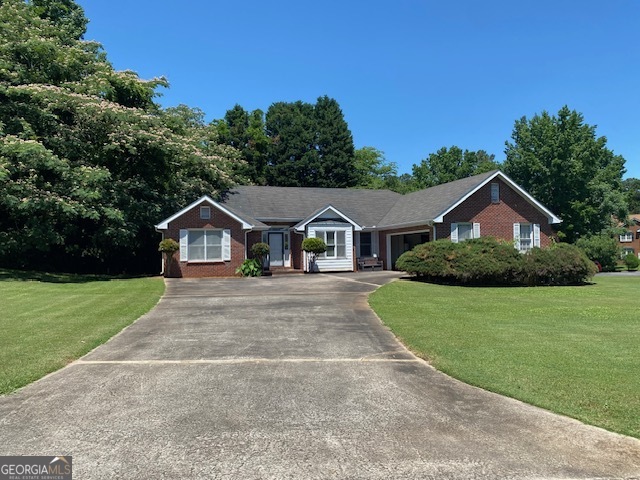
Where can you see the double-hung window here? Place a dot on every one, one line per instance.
(626, 237)
(526, 236)
(336, 243)
(205, 245)
(465, 231)
(462, 231)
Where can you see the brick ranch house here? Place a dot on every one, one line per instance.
(629, 241)
(215, 237)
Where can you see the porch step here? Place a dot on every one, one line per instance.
(284, 271)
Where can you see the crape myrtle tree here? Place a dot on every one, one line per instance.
(449, 164)
(88, 161)
(561, 162)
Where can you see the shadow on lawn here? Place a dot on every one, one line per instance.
(20, 275)
(477, 284)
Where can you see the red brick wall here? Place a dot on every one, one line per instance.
(219, 219)
(496, 219)
(635, 244)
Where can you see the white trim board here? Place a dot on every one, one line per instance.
(164, 225)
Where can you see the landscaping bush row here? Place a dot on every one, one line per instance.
(487, 261)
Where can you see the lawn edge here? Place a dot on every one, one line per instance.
(72, 362)
(428, 363)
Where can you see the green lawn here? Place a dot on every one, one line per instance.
(48, 320)
(572, 350)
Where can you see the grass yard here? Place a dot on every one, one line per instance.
(572, 350)
(48, 320)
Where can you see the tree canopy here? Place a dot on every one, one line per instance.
(88, 160)
(310, 145)
(449, 164)
(631, 187)
(561, 162)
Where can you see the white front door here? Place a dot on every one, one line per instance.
(276, 249)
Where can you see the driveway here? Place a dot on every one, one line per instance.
(288, 377)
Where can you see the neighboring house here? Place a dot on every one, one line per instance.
(630, 240)
(216, 236)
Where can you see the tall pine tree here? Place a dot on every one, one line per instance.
(334, 145)
(311, 145)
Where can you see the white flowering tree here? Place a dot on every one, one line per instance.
(88, 161)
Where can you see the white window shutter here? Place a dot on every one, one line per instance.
(516, 235)
(536, 234)
(226, 245)
(184, 245)
(476, 230)
(454, 232)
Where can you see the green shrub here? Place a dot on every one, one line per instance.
(260, 249)
(562, 264)
(480, 261)
(315, 246)
(168, 247)
(251, 267)
(487, 261)
(631, 261)
(601, 248)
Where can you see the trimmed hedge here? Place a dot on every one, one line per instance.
(487, 261)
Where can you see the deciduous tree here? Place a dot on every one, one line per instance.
(561, 162)
(449, 164)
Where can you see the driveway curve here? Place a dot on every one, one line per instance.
(288, 377)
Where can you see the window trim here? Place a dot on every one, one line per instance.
(206, 260)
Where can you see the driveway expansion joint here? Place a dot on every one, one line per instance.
(223, 361)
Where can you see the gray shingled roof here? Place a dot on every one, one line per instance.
(425, 205)
(368, 208)
(365, 207)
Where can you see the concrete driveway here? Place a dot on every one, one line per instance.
(288, 377)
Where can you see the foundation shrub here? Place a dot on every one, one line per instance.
(562, 264)
(488, 261)
(631, 261)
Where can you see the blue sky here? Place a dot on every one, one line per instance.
(410, 76)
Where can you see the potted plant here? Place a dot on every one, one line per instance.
(314, 247)
(168, 247)
(260, 251)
